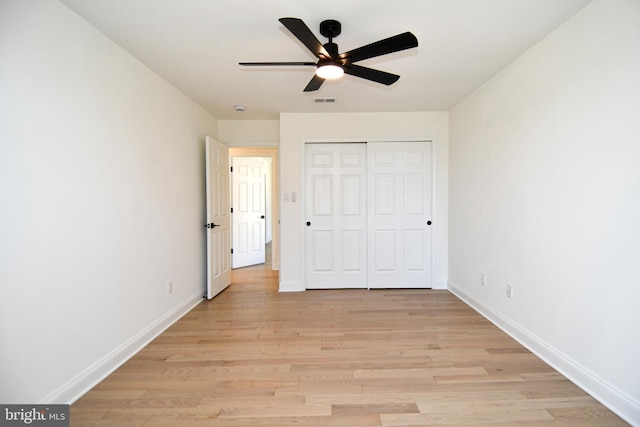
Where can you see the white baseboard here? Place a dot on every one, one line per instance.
(296, 286)
(86, 380)
(617, 401)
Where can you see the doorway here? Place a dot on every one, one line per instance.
(272, 235)
(249, 188)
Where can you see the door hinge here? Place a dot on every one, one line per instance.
(231, 169)
(231, 210)
(231, 250)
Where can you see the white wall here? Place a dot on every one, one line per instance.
(295, 129)
(249, 133)
(102, 190)
(545, 194)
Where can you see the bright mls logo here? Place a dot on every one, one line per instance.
(35, 415)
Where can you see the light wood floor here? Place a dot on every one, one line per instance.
(253, 356)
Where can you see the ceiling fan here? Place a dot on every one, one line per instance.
(331, 64)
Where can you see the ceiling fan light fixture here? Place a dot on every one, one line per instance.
(329, 71)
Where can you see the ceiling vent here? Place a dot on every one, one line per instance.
(324, 100)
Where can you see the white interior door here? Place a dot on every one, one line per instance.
(249, 210)
(335, 206)
(218, 217)
(400, 214)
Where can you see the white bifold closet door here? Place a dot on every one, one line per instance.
(368, 211)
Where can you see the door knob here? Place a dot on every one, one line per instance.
(261, 216)
(212, 225)
(308, 223)
(428, 222)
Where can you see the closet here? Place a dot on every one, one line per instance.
(368, 215)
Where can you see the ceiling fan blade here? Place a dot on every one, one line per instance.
(261, 64)
(299, 29)
(314, 84)
(371, 74)
(382, 47)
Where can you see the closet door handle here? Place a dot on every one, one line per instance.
(308, 223)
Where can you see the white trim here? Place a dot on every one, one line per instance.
(616, 400)
(291, 286)
(74, 389)
(440, 283)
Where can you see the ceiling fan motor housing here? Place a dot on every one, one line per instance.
(330, 28)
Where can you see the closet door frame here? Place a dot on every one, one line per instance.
(430, 280)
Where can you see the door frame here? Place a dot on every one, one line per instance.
(434, 186)
(271, 152)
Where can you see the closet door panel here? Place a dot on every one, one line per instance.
(399, 216)
(336, 216)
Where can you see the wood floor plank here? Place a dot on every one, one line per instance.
(254, 356)
(413, 397)
(512, 418)
(388, 408)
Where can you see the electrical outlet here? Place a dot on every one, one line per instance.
(483, 279)
(509, 290)
(170, 287)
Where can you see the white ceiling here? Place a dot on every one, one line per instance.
(196, 45)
